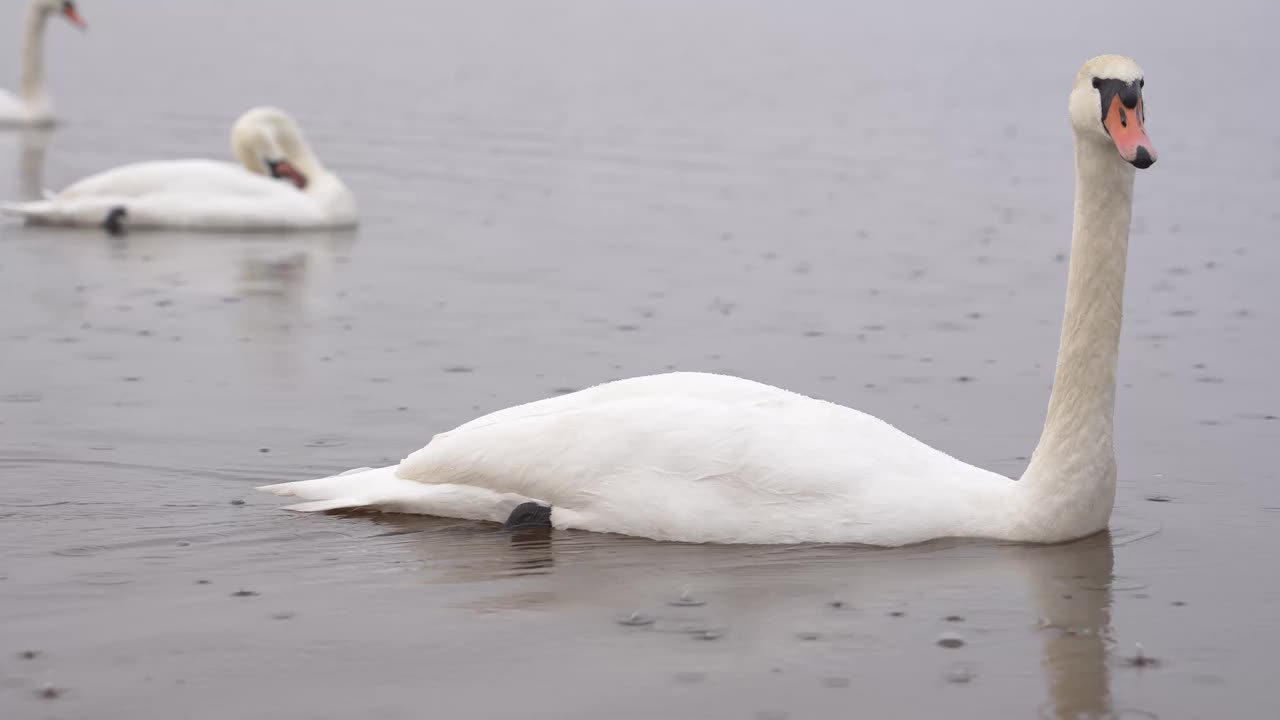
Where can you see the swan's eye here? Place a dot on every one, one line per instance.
(1097, 83)
(1142, 82)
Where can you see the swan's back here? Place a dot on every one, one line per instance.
(684, 385)
(708, 457)
(176, 177)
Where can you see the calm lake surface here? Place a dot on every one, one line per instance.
(869, 205)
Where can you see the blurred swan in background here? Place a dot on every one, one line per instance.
(31, 106)
(279, 185)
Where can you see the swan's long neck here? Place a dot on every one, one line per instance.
(31, 84)
(1071, 478)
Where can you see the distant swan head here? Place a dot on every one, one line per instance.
(268, 142)
(1107, 107)
(65, 8)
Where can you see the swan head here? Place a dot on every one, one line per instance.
(268, 142)
(65, 8)
(1107, 107)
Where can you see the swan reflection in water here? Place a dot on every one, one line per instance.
(33, 148)
(27, 149)
(1072, 588)
(250, 290)
(762, 591)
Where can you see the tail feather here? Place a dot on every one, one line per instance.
(59, 211)
(381, 489)
(27, 209)
(361, 481)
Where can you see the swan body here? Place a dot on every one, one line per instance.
(709, 458)
(31, 106)
(693, 457)
(278, 185)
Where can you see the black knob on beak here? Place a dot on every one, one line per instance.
(1142, 159)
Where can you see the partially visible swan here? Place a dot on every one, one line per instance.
(279, 185)
(31, 106)
(709, 458)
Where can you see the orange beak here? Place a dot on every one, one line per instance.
(1127, 128)
(282, 169)
(73, 16)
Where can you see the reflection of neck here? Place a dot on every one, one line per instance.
(32, 82)
(35, 145)
(1072, 585)
(1072, 472)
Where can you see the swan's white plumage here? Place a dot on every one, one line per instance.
(384, 489)
(693, 457)
(208, 194)
(14, 112)
(710, 458)
(183, 194)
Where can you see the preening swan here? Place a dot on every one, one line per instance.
(279, 185)
(31, 106)
(710, 458)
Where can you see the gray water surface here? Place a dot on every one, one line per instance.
(868, 205)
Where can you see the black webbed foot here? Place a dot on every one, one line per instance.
(114, 222)
(529, 515)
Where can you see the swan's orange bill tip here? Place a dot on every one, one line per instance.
(1127, 129)
(72, 14)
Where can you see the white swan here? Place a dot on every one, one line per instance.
(710, 458)
(279, 185)
(32, 106)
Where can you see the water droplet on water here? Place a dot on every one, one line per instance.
(635, 619)
(961, 674)
(1140, 659)
(687, 600)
